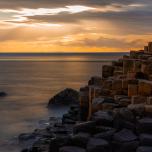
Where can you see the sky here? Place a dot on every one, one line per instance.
(74, 25)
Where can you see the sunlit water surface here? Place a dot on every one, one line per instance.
(31, 84)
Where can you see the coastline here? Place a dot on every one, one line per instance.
(114, 112)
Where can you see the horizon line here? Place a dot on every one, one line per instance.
(62, 52)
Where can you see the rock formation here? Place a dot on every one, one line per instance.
(65, 97)
(114, 112)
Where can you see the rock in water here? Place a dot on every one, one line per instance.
(65, 97)
(2, 94)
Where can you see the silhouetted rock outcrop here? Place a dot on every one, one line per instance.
(65, 97)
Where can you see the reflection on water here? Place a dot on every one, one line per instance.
(30, 85)
(60, 57)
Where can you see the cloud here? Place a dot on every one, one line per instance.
(107, 42)
(51, 21)
(17, 4)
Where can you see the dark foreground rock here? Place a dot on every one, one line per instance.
(65, 97)
(125, 141)
(144, 149)
(71, 149)
(98, 145)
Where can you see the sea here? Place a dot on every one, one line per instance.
(31, 79)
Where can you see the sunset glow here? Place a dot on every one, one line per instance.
(77, 26)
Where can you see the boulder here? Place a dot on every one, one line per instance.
(68, 121)
(124, 135)
(124, 118)
(144, 149)
(145, 125)
(97, 145)
(57, 143)
(88, 127)
(125, 141)
(109, 106)
(145, 139)
(106, 134)
(137, 109)
(125, 114)
(122, 100)
(72, 116)
(26, 136)
(3, 94)
(25, 150)
(71, 149)
(80, 139)
(65, 97)
(103, 118)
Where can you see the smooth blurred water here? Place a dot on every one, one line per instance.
(30, 85)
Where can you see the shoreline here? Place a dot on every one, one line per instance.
(114, 112)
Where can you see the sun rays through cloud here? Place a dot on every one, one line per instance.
(75, 26)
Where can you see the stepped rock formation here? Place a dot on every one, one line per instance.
(114, 112)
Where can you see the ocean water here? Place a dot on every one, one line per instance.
(30, 80)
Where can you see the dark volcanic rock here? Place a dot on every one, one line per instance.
(97, 145)
(71, 149)
(124, 118)
(124, 135)
(95, 81)
(107, 71)
(125, 141)
(146, 139)
(141, 75)
(145, 125)
(88, 127)
(25, 137)
(103, 117)
(144, 149)
(106, 134)
(3, 94)
(80, 139)
(65, 97)
(58, 142)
